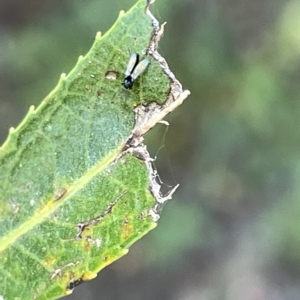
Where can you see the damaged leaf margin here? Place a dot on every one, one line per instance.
(147, 116)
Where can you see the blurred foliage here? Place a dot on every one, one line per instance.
(233, 146)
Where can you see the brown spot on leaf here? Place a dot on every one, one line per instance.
(59, 194)
(111, 75)
(72, 284)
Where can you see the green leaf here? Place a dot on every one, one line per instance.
(77, 186)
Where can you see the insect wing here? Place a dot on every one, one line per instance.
(133, 61)
(140, 68)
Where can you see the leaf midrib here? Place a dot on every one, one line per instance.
(51, 206)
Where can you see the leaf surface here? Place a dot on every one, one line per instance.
(72, 197)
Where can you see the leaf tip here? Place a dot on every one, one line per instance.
(89, 275)
(121, 13)
(124, 252)
(11, 130)
(63, 76)
(31, 109)
(98, 35)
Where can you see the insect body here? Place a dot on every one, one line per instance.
(134, 69)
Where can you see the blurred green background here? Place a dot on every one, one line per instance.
(232, 230)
